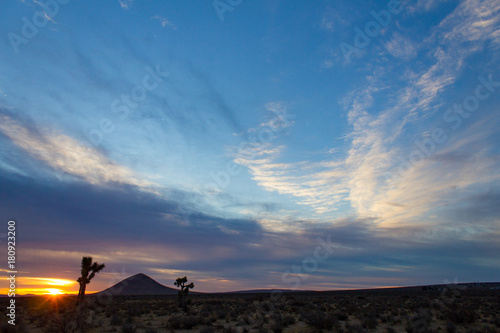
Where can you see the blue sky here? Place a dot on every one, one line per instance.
(222, 139)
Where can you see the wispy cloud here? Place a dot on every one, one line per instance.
(67, 155)
(377, 139)
(401, 47)
(437, 182)
(311, 183)
(47, 17)
(375, 148)
(425, 5)
(473, 20)
(126, 4)
(330, 20)
(164, 22)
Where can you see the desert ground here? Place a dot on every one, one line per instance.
(382, 310)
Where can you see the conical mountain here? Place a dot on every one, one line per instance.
(139, 284)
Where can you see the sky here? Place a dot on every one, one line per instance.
(251, 144)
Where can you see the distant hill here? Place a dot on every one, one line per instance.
(138, 285)
(264, 291)
(142, 285)
(435, 287)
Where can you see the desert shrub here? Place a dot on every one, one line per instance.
(496, 321)
(128, 328)
(451, 327)
(354, 328)
(219, 327)
(484, 329)
(206, 319)
(298, 302)
(319, 319)
(462, 315)
(419, 322)
(277, 327)
(189, 322)
(220, 313)
(185, 322)
(255, 320)
(205, 310)
(267, 306)
(112, 309)
(116, 320)
(231, 330)
(8, 328)
(474, 330)
(369, 322)
(233, 314)
(207, 330)
(133, 311)
(436, 305)
(342, 316)
(174, 322)
(288, 320)
(67, 322)
(416, 326)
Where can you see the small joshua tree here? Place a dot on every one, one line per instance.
(89, 270)
(183, 293)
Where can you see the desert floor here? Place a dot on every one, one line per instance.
(389, 310)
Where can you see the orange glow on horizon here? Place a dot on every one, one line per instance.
(41, 291)
(44, 286)
(54, 291)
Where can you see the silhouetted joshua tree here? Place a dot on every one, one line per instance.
(89, 269)
(183, 293)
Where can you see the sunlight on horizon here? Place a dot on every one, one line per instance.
(53, 291)
(44, 286)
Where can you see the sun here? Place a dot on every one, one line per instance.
(54, 291)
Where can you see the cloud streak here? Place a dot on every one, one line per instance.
(67, 155)
(126, 4)
(378, 142)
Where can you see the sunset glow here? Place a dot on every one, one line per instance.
(50, 281)
(43, 286)
(53, 291)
